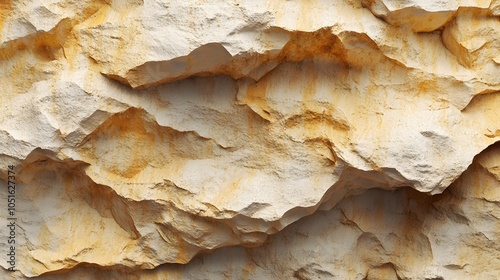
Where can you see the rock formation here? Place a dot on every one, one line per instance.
(352, 139)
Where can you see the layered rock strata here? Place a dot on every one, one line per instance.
(350, 140)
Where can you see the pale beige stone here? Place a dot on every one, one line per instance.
(147, 132)
(399, 234)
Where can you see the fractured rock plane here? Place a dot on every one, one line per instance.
(278, 139)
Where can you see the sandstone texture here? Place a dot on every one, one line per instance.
(278, 139)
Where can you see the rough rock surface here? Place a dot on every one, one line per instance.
(144, 133)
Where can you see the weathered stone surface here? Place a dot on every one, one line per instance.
(379, 234)
(146, 132)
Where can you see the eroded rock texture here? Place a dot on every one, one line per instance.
(144, 133)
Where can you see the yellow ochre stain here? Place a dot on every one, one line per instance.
(133, 136)
(227, 193)
(181, 250)
(135, 143)
(256, 98)
(6, 8)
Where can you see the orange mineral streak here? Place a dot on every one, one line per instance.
(321, 45)
(181, 250)
(92, 14)
(31, 56)
(134, 142)
(43, 45)
(227, 193)
(131, 141)
(99, 17)
(428, 86)
(25, 61)
(249, 267)
(256, 98)
(6, 8)
(309, 90)
(316, 125)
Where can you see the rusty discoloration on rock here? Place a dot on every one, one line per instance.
(348, 139)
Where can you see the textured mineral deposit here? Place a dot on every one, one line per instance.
(278, 139)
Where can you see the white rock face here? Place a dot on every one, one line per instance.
(144, 133)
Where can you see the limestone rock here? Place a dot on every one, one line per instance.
(379, 234)
(144, 133)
